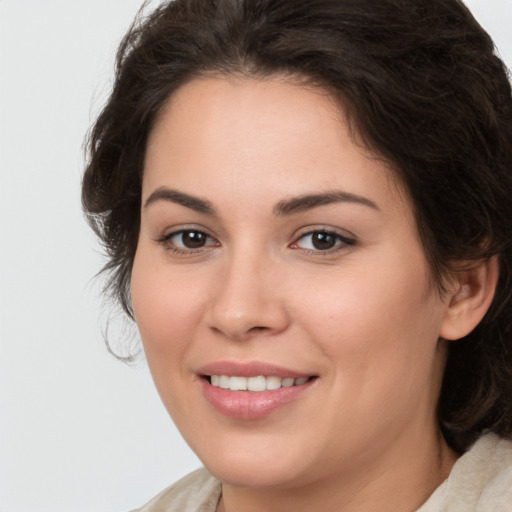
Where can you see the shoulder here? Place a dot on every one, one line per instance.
(196, 492)
(480, 480)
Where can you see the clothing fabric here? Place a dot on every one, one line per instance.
(196, 492)
(480, 481)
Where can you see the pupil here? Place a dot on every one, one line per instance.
(193, 239)
(323, 241)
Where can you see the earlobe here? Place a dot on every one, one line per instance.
(470, 300)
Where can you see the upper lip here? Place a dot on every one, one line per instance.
(249, 369)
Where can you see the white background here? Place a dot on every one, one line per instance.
(79, 431)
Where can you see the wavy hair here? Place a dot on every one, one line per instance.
(423, 88)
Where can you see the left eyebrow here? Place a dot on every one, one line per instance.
(309, 201)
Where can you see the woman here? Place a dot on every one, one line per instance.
(306, 208)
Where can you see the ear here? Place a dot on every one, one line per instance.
(472, 295)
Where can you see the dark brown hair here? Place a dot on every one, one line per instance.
(423, 88)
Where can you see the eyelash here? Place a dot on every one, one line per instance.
(341, 242)
(168, 245)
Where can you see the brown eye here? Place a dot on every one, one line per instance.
(188, 240)
(193, 239)
(322, 241)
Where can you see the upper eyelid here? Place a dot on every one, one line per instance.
(345, 241)
(333, 233)
(343, 234)
(181, 231)
(308, 230)
(165, 242)
(174, 230)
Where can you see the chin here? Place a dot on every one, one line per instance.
(253, 474)
(254, 466)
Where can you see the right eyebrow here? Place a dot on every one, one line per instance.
(173, 196)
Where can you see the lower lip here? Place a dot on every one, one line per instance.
(251, 405)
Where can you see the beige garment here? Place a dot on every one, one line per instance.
(480, 481)
(196, 492)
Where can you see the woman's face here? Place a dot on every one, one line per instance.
(274, 252)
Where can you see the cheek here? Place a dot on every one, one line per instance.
(162, 304)
(383, 321)
(379, 335)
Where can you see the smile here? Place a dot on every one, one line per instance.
(254, 397)
(259, 383)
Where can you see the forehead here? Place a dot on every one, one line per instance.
(260, 135)
(246, 106)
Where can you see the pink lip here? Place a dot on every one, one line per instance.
(250, 405)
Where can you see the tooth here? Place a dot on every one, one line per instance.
(273, 383)
(224, 382)
(238, 383)
(257, 383)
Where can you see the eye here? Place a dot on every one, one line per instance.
(322, 241)
(187, 240)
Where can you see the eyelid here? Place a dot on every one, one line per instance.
(165, 240)
(344, 238)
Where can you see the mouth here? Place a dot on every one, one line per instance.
(253, 390)
(258, 383)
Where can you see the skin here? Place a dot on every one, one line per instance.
(362, 316)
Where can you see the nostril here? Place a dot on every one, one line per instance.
(258, 328)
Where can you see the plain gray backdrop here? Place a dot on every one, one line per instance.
(79, 431)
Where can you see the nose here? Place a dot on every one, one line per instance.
(247, 300)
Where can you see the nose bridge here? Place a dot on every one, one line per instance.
(245, 302)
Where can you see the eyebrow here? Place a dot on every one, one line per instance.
(173, 196)
(309, 201)
(286, 207)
